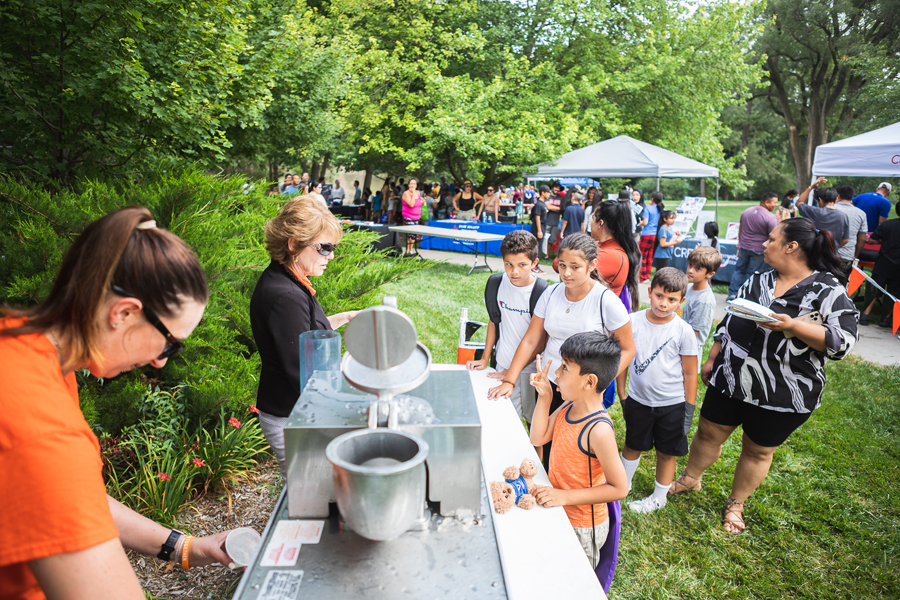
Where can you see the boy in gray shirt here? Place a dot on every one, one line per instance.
(700, 303)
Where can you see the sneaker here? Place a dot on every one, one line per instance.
(730, 298)
(886, 323)
(537, 271)
(648, 504)
(863, 319)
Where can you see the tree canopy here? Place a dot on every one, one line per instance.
(479, 89)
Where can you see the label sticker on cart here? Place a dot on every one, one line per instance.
(281, 585)
(289, 535)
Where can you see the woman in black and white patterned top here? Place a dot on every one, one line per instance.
(769, 377)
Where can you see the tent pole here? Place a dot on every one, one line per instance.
(657, 184)
(717, 199)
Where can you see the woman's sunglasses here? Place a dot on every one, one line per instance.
(325, 249)
(173, 345)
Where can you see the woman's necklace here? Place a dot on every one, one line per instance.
(572, 303)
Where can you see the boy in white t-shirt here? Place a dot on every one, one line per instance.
(700, 303)
(511, 297)
(659, 406)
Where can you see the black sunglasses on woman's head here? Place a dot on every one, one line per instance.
(173, 345)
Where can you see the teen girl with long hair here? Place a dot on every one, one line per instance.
(617, 253)
(581, 302)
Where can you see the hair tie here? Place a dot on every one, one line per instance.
(146, 224)
(817, 233)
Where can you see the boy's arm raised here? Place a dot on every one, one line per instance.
(603, 444)
(542, 422)
(532, 343)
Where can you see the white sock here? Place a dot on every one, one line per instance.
(630, 468)
(660, 492)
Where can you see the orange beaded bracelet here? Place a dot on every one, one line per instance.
(185, 553)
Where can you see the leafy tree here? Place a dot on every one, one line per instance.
(430, 93)
(300, 125)
(832, 69)
(86, 87)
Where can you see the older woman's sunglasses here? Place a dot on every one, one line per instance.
(173, 345)
(325, 249)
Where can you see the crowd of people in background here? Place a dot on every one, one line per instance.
(557, 211)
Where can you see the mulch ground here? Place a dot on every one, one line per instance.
(250, 505)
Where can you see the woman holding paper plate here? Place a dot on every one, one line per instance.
(767, 374)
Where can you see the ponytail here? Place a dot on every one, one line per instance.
(817, 245)
(657, 199)
(124, 248)
(616, 217)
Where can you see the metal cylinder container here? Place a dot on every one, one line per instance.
(379, 480)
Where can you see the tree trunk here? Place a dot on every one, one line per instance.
(324, 170)
(367, 180)
(273, 171)
(314, 171)
(745, 134)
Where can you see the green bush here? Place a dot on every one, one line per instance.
(161, 463)
(220, 366)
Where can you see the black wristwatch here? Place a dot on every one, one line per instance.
(169, 546)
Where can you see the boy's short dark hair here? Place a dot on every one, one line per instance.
(520, 242)
(846, 192)
(596, 354)
(705, 257)
(671, 280)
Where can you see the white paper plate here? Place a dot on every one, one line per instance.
(755, 318)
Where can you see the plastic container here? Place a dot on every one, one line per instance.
(320, 350)
(240, 545)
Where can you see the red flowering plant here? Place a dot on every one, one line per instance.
(229, 449)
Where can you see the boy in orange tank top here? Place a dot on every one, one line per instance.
(585, 469)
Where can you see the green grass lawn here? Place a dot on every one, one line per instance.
(824, 524)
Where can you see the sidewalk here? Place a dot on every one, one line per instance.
(876, 344)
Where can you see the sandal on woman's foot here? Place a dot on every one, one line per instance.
(685, 483)
(734, 525)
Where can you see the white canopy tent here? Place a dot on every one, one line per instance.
(872, 154)
(623, 156)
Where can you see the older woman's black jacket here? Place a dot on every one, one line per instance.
(280, 310)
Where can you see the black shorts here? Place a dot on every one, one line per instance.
(661, 427)
(764, 427)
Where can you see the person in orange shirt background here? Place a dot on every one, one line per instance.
(126, 296)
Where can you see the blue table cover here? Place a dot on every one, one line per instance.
(436, 243)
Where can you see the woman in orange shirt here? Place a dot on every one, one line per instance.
(618, 257)
(126, 296)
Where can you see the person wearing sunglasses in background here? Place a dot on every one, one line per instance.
(490, 206)
(301, 241)
(126, 296)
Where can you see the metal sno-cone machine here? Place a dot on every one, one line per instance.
(385, 496)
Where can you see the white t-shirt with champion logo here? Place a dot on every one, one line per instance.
(515, 317)
(562, 319)
(655, 376)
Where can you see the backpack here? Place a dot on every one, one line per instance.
(493, 306)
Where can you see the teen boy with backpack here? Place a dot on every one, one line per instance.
(510, 298)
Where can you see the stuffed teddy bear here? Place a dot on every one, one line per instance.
(515, 489)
